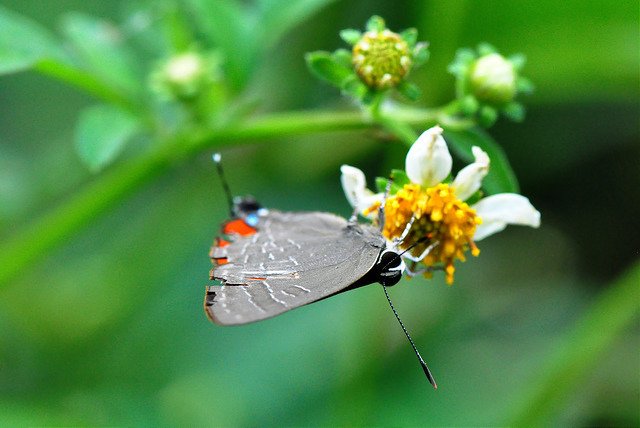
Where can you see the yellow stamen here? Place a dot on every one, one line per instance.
(440, 217)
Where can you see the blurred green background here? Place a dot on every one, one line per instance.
(108, 329)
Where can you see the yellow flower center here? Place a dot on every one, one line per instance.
(441, 220)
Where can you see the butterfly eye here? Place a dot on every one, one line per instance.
(391, 268)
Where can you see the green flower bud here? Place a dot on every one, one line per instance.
(493, 79)
(487, 84)
(381, 59)
(184, 76)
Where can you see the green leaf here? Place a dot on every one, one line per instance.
(524, 85)
(350, 36)
(514, 111)
(177, 29)
(518, 60)
(343, 57)
(375, 23)
(355, 88)
(102, 133)
(381, 186)
(486, 49)
(100, 48)
(278, 17)
(409, 90)
(410, 35)
(420, 54)
(324, 66)
(229, 27)
(579, 352)
(487, 116)
(501, 178)
(23, 43)
(469, 105)
(398, 180)
(399, 177)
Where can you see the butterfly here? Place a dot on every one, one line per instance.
(268, 262)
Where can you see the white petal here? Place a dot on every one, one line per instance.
(505, 208)
(353, 183)
(488, 228)
(469, 178)
(428, 161)
(355, 189)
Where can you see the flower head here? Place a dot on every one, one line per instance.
(438, 217)
(382, 58)
(432, 218)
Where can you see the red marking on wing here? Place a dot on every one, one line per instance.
(238, 227)
(221, 242)
(221, 261)
(256, 278)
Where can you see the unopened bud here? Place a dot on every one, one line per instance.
(493, 79)
(381, 59)
(184, 76)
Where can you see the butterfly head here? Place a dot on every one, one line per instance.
(390, 268)
(248, 209)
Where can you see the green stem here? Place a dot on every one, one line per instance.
(398, 128)
(401, 129)
(54, 227)
(376, 101)
(577, 357)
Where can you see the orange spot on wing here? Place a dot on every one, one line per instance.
(255, 278)
(218, 243)
(221, 242)
(238, 227)
(221, 261)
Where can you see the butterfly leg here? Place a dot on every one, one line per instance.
(411, 273)
(387, 191)
(400, 239)
(424, 253)
(354, 216)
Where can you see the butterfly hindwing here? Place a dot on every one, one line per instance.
(291, 260)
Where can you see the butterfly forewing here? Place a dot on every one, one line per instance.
(293, 259)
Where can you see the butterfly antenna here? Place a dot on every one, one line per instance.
(425, 368)
(381, 220)
(217, 159)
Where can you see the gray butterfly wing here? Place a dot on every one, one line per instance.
(293, 259)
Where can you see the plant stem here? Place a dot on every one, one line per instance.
(54, 227)
(404, 132)
(614, 310)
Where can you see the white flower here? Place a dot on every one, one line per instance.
(431, 163)
(428, 162)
